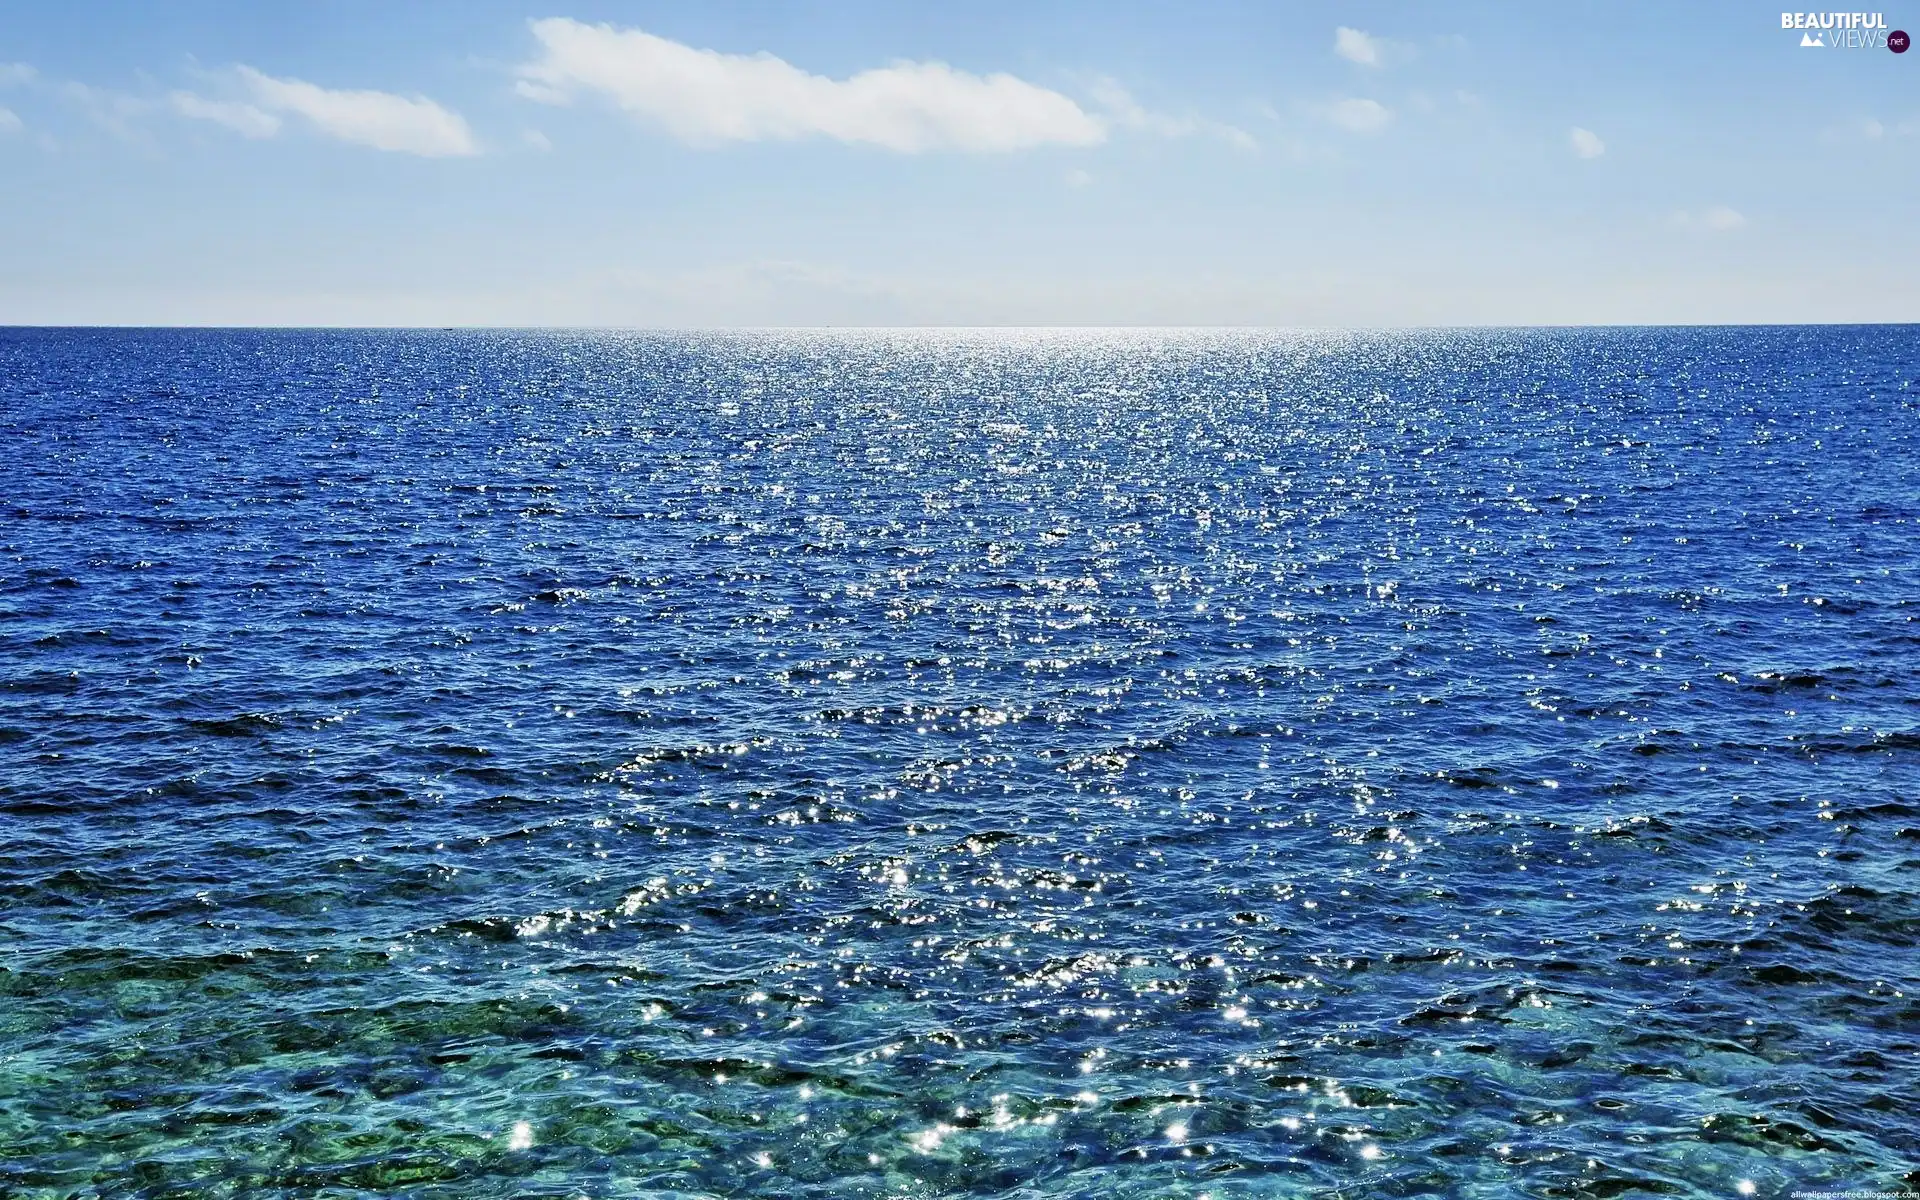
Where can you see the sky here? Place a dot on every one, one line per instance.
(1086, 162)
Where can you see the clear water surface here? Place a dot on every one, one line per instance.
(961, 764)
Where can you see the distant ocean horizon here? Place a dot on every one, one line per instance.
(951, 328)
(960, 761)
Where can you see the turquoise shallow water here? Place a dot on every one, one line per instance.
(972, 764)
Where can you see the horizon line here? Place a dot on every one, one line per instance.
(8, 326)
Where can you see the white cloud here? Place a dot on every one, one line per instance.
(244, 119)
(705, 97)
(17, 73)
(1079, 178)
(1718, 219)
(10, 122)
(1355, 46)
(116, 112)
(1124, 111)
(1357, 115)
(1873, 130)
(1371, 50)
(1867, 129)
(382, 120)
(1586, 143)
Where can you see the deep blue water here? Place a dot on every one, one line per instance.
(976, 764)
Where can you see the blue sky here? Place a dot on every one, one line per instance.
(644, 164)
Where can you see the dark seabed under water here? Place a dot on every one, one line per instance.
(959, 764)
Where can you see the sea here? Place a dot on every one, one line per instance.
(971, 763)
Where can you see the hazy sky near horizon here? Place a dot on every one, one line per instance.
(972, 163)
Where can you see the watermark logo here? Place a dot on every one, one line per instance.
(1845, 31)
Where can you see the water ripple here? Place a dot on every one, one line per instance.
(908, 764)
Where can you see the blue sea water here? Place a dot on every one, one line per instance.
(959, 764)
